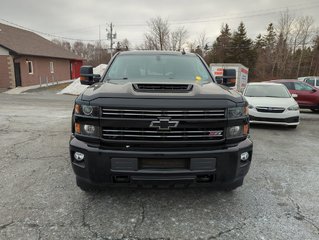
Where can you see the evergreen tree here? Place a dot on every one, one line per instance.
(221, 47)
(242, 50)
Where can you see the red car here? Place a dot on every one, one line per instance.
(307, 95)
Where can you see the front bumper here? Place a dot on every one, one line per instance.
(112, 167)
(288, 118)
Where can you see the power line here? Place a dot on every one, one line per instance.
(48, 34)
(248, 14)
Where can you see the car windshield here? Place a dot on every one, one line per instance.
(157, 68)
(276, 91)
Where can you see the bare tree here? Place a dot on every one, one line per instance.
(125, 43)
(284, 30)
(158, 35)
(305, 25)
(178, 38)
(202, 40)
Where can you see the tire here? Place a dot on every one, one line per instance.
(86, 187)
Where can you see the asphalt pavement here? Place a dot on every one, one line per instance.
(39, 198)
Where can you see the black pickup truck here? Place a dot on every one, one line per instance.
(158, 118)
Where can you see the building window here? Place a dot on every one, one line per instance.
(51, 67)
(30, 67)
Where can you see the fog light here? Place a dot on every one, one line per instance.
(244, 156)
(89, 129)
(78, 156)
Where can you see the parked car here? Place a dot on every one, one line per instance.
(271, 103)
(307, 95)
(312, 80)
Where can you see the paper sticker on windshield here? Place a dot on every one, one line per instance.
(198, 78)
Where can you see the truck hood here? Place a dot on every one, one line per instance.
(205, 91)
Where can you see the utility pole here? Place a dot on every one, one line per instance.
(111, 36)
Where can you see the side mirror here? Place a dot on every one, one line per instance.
(87, 77)
(294, 95)
(219, 80)
(229, 82)
(314, 90)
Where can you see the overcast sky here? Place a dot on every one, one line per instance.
(82, 19)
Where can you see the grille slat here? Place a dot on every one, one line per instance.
(174, 114)
(270, 109)
(142, 134)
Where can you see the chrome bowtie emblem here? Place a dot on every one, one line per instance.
(164, 124)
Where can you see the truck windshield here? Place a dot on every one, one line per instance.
(157, 68)
(265, 90)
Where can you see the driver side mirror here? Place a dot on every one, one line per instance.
(87, 77)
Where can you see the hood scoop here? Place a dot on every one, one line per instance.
(166, 88)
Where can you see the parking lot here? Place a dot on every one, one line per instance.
(39, 198)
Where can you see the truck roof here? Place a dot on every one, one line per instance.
(228, 65)
(154, 52)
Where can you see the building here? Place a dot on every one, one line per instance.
(28, 59)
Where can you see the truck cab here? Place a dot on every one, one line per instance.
(158, 118)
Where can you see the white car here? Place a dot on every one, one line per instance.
(271, 103)
(312, 80)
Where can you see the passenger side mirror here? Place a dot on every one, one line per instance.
(87, 77)
(229, 82)
(219, 80)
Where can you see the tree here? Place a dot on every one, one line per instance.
(265, 50)
(202, 40)
(79, 48)
(221, 47)
(126, 45)
(241, 46)
(178, 38)
(157, 37)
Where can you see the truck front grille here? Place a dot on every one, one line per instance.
(149, 134)
(154, 114)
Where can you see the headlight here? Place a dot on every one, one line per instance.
(237, 112)
(87, 130)
(87, 110)
(294, 107)
(250, 106)
(234, 131)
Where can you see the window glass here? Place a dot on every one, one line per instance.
(267, 90)
(289, 85)
(51, 67)
(299, 86)
(317, 82)
(310, 81)
(154, 68)
(30, 67)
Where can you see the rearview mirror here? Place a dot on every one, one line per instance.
(294, 95)
(87, 77)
